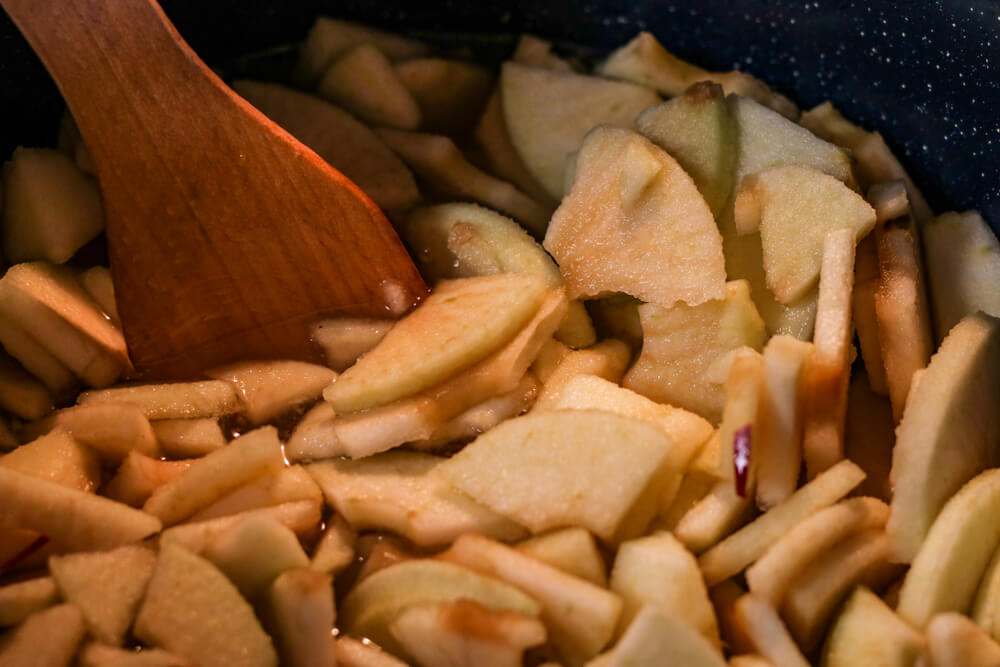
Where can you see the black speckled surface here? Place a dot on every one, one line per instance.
(925, 74)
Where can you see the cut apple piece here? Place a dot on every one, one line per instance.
(351, 147)
(266, 389)
(713, 517)
(572, 550)
(580, 616)
(21, 394)
(56, 457)
(772, 574)
(107, 586)
(335, 549)
(606, 360)
(681, 343)
(867, 632)
(694, 486)
(744, 393)
(634, 222)
(188, 438)
(655, 637)
(351, 652)
(767, 633)
(191, 609)
(462, 632)
(315, 435)
(657, 570)
(866, 284)
(963, 265)
(378, 551)
(954, 555)
(273, 488)
(344, 340)
(548, 113)
(948, 433)
(370, 609)
(48, 637)
(178, 400)
(363, 82)
(459, 324)
(955, 641)
(51, 208)
(586, 468)
(749, 660)
(742, 548)
(869, 436)
(211, 477)
(20, 600)
(38, 361)
(301, 516)
(301, 603)
(95, 654)
(699, 131)
(139, 476)
(112, 430)
(254, 552)
(406, 492)
(449, 93)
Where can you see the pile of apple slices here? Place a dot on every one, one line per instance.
(627, 427)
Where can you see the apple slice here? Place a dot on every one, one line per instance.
(191, 609)
(351, 652)
(657, 570)
(772, 574)
(335, 549)
(301, 603)
(107, 586)
(372, 606)
(634, 222)
(744, 388)
(866, 284)
(462, 632)
(112, 430)
(407, 493)
(549, 112)
(38, 361)
(188, 438)
(48, 637)
(450, 93)
(948, 433)
(586, 468)
(580, 616)
(767, 633)
(378, 551)
(459, 324)
(713, 517)
(363, 82)
(606, 360)
(272, 488)
(953, 641)
(95, 654)
(867, 632)
(177, 400)
(139, 476)
(699, 131)
(21, 394)
(350, 146)
(345, 339)
(695, 485)
(955, 553)
(963, 264)
(301, 516)
(56, 457)
(656, 637)
(869, 436)
(20, 600)
(267, 389)
(749, 660)
(572, 550)
(681, 343)
(743, 547)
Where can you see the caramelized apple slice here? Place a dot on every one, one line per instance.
(572, 550)
(266, 389)
(867, 632)
(188, 438)
(112, 430)
(654, 637)
(345, 339)
(178, 400)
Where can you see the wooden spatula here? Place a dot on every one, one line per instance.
(227, 237)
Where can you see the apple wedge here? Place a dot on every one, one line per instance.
(867, 632)
(191, 609)
(56, 457)
(949, 431)
(254, 552)
(955, 641)
(301, 603)
(572, 550)
(345, 339)
(352, 652)
(139, 476)
(286, 485)
(176, 400)
(20, 600)
(955, 554)
(634, 222)
(47, 637)
(38, 361)
(737, 459)
(266, 389)
(350, 146)
(587, 468)
(363, 82)
(303, 517)
(21, 394)
(713, 517)
(188, 438)
(335, 549)
(449, 93)
(655, 637)
(767, 633)
(95, 654)
(549, 112)
(682, 342)
(459, 324)
(606, 360)
(749, 660)
(112, 430)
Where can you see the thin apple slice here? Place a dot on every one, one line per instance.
(107, 586)
(669, 250)
(867, 632)
(112, 430)
(363, 82)
(572, 550)
(450, 93)
(56, 457)
(694, 486)
(713, 517)
(681, 343)
(656, 637)
(441, 167)
(191, 609)
(301, 603)
(744, 399)
(606, 360)
(139, 476)
(767, 633)
(338, 138)
(587, 468)
(301, 516)
(948, 433)
(407, 493)
(95, 654)
(266, 389)
(955, 641)
(48, 637)
(742, 548)
(188, 438)
(869, 436)
(21, 394)
(378, 551)
(580, 616)
(459, 324)
(955, 553)
(272, 488)
(211, 477)
(827, 373)
(334, 550)
(351, 652)
(772, 574)
(963, 265)
(463, 632)
(749, 660)
(177, 400)
(345, 339)
(20, 600)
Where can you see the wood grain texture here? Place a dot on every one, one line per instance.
(227, 237)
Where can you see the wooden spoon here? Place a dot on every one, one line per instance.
(227, 237)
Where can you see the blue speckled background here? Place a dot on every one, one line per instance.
(925, 74)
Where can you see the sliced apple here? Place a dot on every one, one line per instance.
(869, 436)
(363, 82)
(694, 486)
(655, 637)
(339, 139)
(38, 361)
(56, 457)
(953, 640)
(767, 633)
(301, 603)
(948, 433)
(749, 660)
(47, 637)
(572, 550)
(266, 389)
(352, 652)
(301, 516)
(178, 400)
(713, 517)
(606, 360)
(549, 112)
(344, 340)
(191, 609)
(20, 393)
(867, 632)
(188, 438)
(459, 324)
(272, 488)
(112, 430)
(449, 93)
(335, 549)
(744, 393)
(20, 600)
(866, 283)
(139, 476)
(95, 654)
